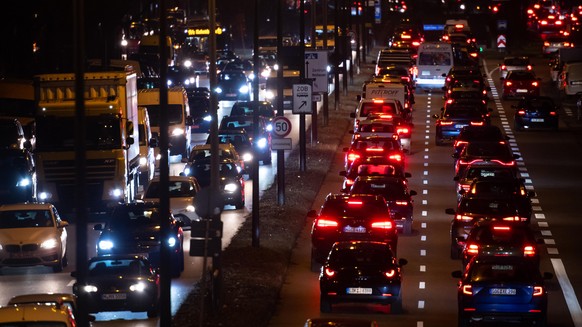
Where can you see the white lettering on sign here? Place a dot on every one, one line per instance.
(383, 92)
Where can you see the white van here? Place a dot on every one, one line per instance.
(147, 157)
(571, 78)
(433, 62)
(179, 118)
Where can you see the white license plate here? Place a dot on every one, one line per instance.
(231, 94)
(537, 120)
(521, 90)
(114, 296)
(503, 291)
(359, 229)
(460, 125)
(358, 290)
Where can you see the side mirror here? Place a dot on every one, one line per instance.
(402, 262)
(129, 141)
(153, 142)
(413, 193)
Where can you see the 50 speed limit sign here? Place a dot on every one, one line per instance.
(281, 126)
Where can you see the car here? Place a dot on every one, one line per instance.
(37, 314)
(374, 128)
(363, 272)
(453, 118)
(363, 147)
(182, 76)
(511, 63)
(369, 166)
(17, 176)
(232, 86)
(501, 239)
(199, 103)
(58, 299)
(490, 152)
(243, 65)
(552, 44)
(482, 169)
(241, 141)
(248, 108)
(502, 289)
(395, 191)
(182, 193)
(457, 73)
(503, 188)
(204, 151)
(478, 133)
(458, 94)
(135, 228)
(231, 183)
(519, 84)
(342, 217)
(403, 128)
(536, 112)
(32, 234)
(120, 282)
(376, 106)
(260, 135)
(471, 210)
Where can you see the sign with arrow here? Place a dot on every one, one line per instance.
(316, 69)
(302, 99)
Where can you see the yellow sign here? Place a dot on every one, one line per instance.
(203, 31)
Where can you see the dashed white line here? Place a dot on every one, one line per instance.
(568, 291)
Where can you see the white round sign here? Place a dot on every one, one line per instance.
(281, 126)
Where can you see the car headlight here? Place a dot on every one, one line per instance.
(139, 287)
(269, 127)
(43, 196)
(244, 89)
(143, 161)
(105, 245)
(190, 208)
(252, 76)
(230, 187)
(187, 171)
(207, 118)
(23, 182)
(270, 95)
(172, 241)
(247, 157)
(170, 82)
(1, 247)
(177, 132)
(90, 288)
(49, 244)
(158, 156)
(276, 66)
(266, 73)
(187, 63)
(262, 143)
(116, 192)
(218, 90)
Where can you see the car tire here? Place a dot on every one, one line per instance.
(407, 227)
(518, 127)
(396, 306)
(455, 252)
(240, 204)
(59, 266)
(324, 304)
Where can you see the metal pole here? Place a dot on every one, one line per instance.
(314, 46)
(325, 94)
(337, 55)
(255, 173)
(280, 109)
(81, 159)
(302, 138)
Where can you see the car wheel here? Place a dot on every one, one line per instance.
(455, 252)
(438, 141)
(59, 266)
(396, 306)
(463, 321)
(240, 204)
(407, 227)
(324, 304)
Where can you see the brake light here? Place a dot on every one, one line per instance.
(374, 150)
(553, 113)
(529, 67)
(508, 83)
(386, 116)
(405, 78)
(473, 249)
(329, 272)
(386, 224)
(449, 101)
(353, 156)
(544, 22)
(459, 143)
(378, 101)
(511, 163)
(538, 291)
(445, 123)
(396, 157)
(503, 67)
(464, 218)
(401, 203)
(467, 289)
(512, 218)
(529, 251)
(535, 84)
(521, 112)
(558, 22)
(415, 43)
(477, 123)
(459, 26)
(326, 222)
(390, 273)
(349, 182)
(402, 130)
(355, 203)
(504, 228)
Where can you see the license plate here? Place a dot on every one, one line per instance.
(460, 125)
(114, 296)
(359, 229)
(503, 291)
(358, 290)
(521, 91)
(537, 120)
(231, 94)
(20, 255)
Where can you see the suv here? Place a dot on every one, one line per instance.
(361, 217)
(260, 137)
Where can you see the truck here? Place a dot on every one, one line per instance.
(390, 88)
(112, 153)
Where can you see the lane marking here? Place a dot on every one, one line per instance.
(568, 291)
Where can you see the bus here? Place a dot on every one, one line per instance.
(433, 62)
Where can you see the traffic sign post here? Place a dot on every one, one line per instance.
(281, 126)
(302, 99)
(501, 42)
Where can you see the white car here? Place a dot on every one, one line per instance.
(182, 191)
(32, 234)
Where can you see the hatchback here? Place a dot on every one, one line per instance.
(520, 84)
(535, 112)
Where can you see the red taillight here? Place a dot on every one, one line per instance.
(355, 203)
(477, 123)
(402, 130)
(329, 272)
(353, 156)
(459, 143)
(529, 251)
(521, 112)
(349, 182)
(558, 22)
(510, 163)
(415, 43)
(512, 218)
(534, 84)
(390, 273)
(445, 123)
(474, 54)
(503, 67)
(386, 224)
(467, 289)
(553, 113)
(503, 228)
(378, 101)
(473, 249)
(374, 150)
(464, 218)
(538, 291)
(508, 83)
(449, 101)
(544, 22)
(326, 222)
(401, 203)
(395, 157)
(529, 67)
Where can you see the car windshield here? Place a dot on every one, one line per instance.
(128, 218)
(380, 107)
(237, 122)
(234, 139)
(177, 189)
(521, 76)
(123, 267)
(359, 209)
(494, 207)
(499, 235)
(387, 189)
(355, 256)
(516, 62)
(25, 219)
(503, 272)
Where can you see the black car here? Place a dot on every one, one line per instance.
(501, 239)
(453, 118)
(260, 135)
(248, 108)
(502, 290)
(534, 112)
(199, 103)
(231, 183)
(361, 217)
(370, 166)
(120, 283)
(483, 133)
(17, 176)
(490, 152)
(396, 193)
(503, 188)
(135, 228)
(241, 141)
(482, 169)
(233, 85)
(363, 272)
(470, 211)
(376, 146)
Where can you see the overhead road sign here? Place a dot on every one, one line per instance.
(302, 99)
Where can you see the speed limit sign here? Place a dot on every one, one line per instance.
(281, 126)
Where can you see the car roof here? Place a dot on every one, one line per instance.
(35, 312)
(42, 297)
(176, 178)
(26, 206)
